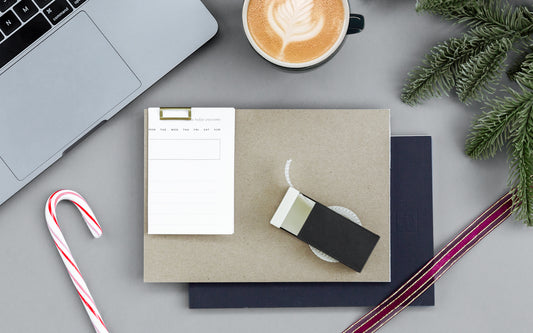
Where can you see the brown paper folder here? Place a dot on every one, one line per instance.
(340, 157)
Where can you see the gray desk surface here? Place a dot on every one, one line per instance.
(487, 291)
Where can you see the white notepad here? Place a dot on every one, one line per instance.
(191, 170)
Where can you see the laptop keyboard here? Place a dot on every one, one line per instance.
(23, 22)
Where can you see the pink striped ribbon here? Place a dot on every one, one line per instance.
(66, 255)
(435, 268)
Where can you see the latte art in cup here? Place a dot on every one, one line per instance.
(296, 31)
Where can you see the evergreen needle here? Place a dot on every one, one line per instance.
(473, 64)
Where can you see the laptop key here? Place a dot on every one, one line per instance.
(42, 3)
(76, 3)
(5, 4)
(25, 9)
(9, 23)
(23, 38)
(57, 11)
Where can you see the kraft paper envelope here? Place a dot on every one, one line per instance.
(340, 157)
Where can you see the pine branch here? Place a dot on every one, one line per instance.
(436, 76)
(461, 11)
(516, 64)
(500, 13)
(521, 168)
(476, 76)
(442, 7)
(524, 75)
(472, 64)
(475, 13)
(491, 129)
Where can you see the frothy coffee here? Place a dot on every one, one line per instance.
(296, 31)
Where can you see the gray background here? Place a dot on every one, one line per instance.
(487, 291)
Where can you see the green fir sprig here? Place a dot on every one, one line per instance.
(472, 65)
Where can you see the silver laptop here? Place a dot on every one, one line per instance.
(67, 66)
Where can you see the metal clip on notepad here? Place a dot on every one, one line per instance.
(175, 113)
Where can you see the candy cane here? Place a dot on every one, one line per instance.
(66, 255)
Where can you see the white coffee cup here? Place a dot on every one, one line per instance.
(353, 23)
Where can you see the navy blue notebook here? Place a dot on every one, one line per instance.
(411, 248)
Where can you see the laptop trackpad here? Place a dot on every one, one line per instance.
(59, 90)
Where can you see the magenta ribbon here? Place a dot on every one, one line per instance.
(435, 268)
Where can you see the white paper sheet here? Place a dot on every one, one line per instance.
(191, 171)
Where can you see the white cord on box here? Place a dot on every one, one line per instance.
(287, 175)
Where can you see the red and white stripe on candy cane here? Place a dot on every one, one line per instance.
(66, 254)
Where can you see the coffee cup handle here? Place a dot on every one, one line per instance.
(356, 24)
